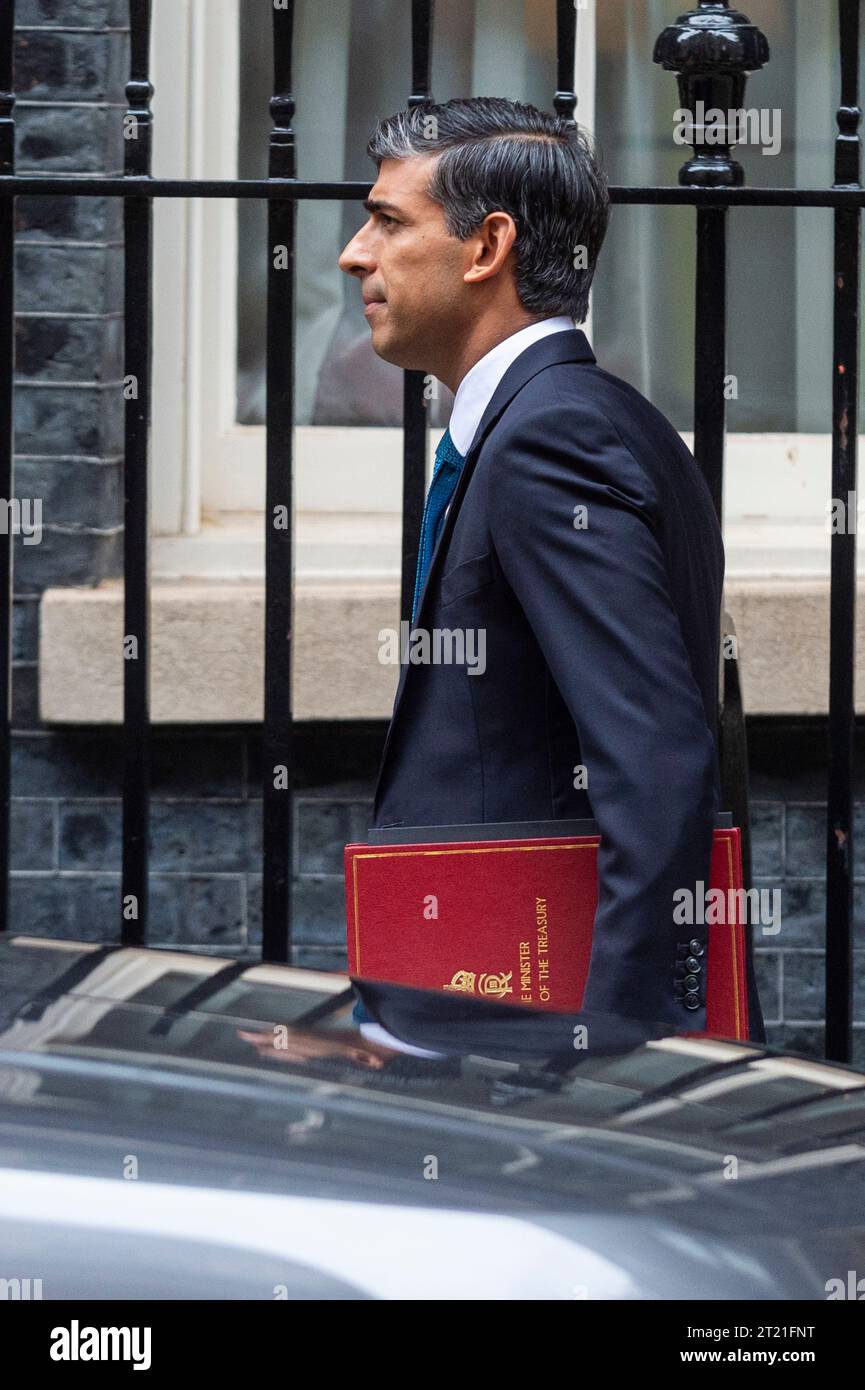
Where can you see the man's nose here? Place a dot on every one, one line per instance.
(356, 259)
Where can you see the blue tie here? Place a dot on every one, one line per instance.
(448, 464)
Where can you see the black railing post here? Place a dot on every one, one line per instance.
(415, 410)
(565, 96)
(137, 350)
(712, 49)
(277, 734)
(842, 621)
(7, 433)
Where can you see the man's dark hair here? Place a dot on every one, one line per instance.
(497, 155)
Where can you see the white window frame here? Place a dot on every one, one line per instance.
(208, 471)
(204, 464)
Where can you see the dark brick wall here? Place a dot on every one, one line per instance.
(206, 837)
(69, 302)
(788, 760)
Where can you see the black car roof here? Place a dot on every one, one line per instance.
(238, 1057)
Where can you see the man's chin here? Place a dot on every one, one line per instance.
(384, 346)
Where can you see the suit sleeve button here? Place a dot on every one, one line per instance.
(691, 983)
(692, 965)
(696, 947)
(691, 1001)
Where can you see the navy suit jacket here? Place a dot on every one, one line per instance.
(602, 632)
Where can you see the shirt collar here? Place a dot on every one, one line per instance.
(476, 389)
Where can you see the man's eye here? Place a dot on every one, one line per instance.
(389, 221)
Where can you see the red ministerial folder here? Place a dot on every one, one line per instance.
(512, 919)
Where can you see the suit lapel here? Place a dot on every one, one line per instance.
(543, 353)
(565, 346)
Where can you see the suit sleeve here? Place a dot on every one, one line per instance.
(593, 585)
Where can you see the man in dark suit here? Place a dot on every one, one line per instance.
(567, 526)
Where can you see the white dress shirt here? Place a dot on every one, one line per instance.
(476, 389)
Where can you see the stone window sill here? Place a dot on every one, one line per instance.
(208, 624)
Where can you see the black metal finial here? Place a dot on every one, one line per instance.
(565, 97)
(421, 53)
(848, 142)
(712, 50)
(282, 153)
(138, 120)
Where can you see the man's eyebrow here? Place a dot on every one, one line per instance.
(378, 205)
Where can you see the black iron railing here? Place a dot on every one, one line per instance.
(712, 50)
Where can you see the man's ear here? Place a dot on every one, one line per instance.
(491, 245)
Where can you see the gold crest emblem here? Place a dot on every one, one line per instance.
(463, 982)
(492, 985)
